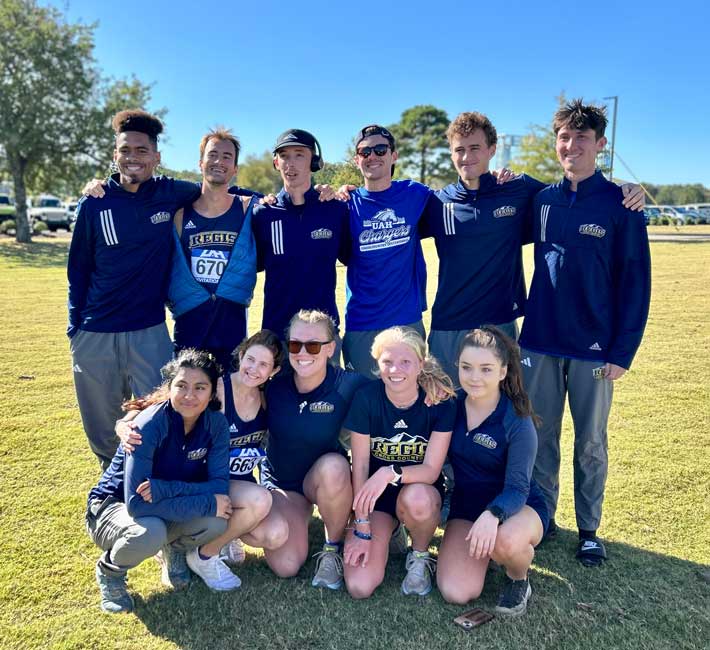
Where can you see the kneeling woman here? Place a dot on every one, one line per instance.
(497, 511)
(171, 493)
(400, 443)
(306, 464)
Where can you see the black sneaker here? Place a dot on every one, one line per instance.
(513, 600)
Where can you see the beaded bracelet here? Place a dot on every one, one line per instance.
(361, 521)
(365, 536)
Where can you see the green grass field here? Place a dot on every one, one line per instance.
(653, 594)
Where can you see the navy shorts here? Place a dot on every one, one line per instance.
(388, 499)
(468, 503)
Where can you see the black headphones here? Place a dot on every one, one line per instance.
(317, 158)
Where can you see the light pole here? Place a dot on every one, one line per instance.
(613, 134)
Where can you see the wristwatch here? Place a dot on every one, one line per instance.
(497, 513)
(397, 472)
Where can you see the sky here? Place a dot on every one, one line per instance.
(263, 67)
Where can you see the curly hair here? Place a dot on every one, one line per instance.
(137, 120)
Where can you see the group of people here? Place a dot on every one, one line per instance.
(366, 443)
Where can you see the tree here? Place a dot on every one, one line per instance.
(258, 173)
(537, 157)
(337, 174)
(422, 145)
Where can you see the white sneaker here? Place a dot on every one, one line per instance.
(420, 567)
(213, 571)
(233, 553)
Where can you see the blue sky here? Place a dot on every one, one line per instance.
(263, 67)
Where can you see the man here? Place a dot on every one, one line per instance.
(386, 272)
(299, 238)
(118, 271)
(585, 315)
(214, 269)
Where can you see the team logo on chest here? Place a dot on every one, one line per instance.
(401, 448)
(485, 440)
(384, 230)
(160, 217)
(321, 407)
(504, 211)
(592, 229)
(196, 454)
(322, 233)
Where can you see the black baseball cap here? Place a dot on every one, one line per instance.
(375, 129)
(295, 138)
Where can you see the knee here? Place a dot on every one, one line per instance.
(287, 567)
(456, 593)
(333, 474)
(149, 534)
(259, 503)
(508, 546)
(418, 503)
(275, 534)
(361, 585)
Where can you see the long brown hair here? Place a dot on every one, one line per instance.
(507, 351)
(188, 358)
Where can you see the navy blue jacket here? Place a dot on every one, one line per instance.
(185, 471)
(120, 254)
(591, 289)
(495, 460)
(479, 236)
(298, 246)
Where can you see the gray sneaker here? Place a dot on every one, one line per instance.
(399, 544)
(420, 567)
(114, 595)
(329, 568)
(174, 572)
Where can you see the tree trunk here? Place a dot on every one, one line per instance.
(18, 165)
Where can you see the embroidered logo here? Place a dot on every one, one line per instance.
(515, 305)
(485, 440)
(349, 366)
(232, 428)
(504, 211)
(160, 217)
(301, 406)
(592, 229)
(598, 373)
(77, 368)
(196, 454)
(401, 424)
(596, 347)
(526, 362)
(322, 233)
(321, 407)
(189, 225)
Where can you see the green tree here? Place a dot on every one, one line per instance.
(537, 156)
(337, 174)
(422, 145)
(258, 173)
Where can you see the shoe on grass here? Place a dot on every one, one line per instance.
(174, 572)
(514, 598)
(114, 594)
(420, 567)
(213, 571)
(399, 544)
(329, 568)
(233, 553)
(591, 552)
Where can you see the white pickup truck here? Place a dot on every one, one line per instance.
(49, 209)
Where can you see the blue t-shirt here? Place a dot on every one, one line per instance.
(120, 255)
(591, 289)
(304, 426)
(495, 460)
(297, 248)
(386, 271)
(396, 435)
(479, 237)
(246, 439)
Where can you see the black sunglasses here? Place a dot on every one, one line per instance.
(312, 347)
(379, 150)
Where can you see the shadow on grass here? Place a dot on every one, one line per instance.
(38, 254)
(638, 599)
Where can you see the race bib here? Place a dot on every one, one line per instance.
(208, 265)
(243, 460)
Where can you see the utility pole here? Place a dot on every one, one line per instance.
(613, 134)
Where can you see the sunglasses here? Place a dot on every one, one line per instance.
(379, 150)
(312, 347)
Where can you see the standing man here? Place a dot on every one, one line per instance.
(585, 315)
(118, 271)
(387, 272)
(299, 238)
(214, 268)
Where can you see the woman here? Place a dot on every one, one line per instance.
(497, 511)
(306, 464)
(171, 493)
(399, 444)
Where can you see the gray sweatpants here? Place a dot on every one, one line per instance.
(126, 542)
(444, 345)
(357, 345)
(109, 368)
(548, 380)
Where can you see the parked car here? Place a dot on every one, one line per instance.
(49, 209)
(7, 208)
(70, 208)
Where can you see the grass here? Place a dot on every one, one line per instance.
(653, 594)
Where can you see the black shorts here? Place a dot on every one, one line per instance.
(388, 499)
(468, 502)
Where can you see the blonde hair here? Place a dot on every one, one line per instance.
(433, 380)
(313, 317)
